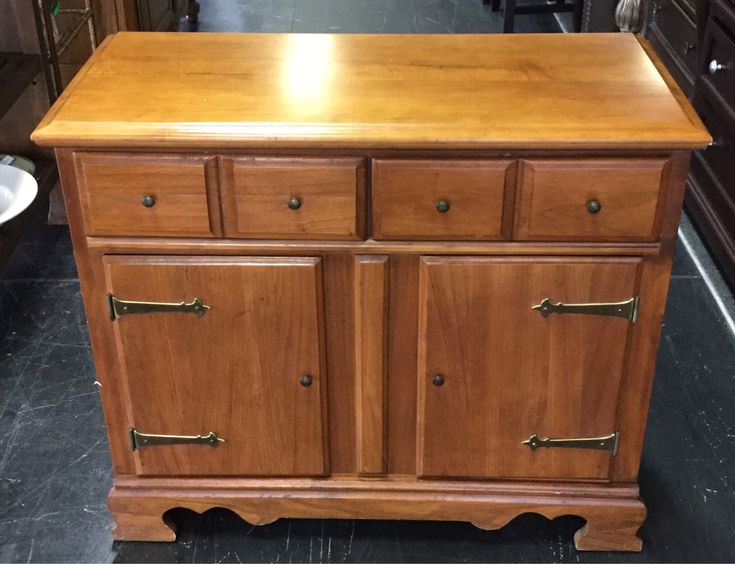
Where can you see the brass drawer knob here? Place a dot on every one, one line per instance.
(149, 200)
(306, 380)
(593, 206)
(294, 203)
(442, 206)
(437, 380)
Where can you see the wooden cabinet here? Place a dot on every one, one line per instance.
(700, 56)
(711, 195)
(373, 295)
(673, 31)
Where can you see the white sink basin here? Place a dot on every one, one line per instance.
(18, 189)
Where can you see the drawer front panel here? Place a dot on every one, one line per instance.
(450, 200)
(144, 195)
(719, 49)
(249, 369)
(294, 198)
(674, 65)
(590, 199)
(493, 371)
(719, 156)
(679, 31)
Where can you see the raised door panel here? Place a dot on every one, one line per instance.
(239, 370)
(493, 371)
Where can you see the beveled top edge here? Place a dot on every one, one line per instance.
(72, 120)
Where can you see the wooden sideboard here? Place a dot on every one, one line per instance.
(399, 277)
(701, 57)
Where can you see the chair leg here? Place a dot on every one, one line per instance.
(509, 15)
(577, 16)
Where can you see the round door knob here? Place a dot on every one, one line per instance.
(149, 200)
(294, 203)
(442, 206)
(715, 67)
(593, 206)
(306, 380)
(437, 380)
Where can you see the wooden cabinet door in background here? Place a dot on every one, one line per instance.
(250, 369)
(493, 371)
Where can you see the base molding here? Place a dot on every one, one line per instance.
(614, 513)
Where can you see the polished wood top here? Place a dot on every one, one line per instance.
(202, 90)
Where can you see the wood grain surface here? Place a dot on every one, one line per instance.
(509, 373)
(287, 90)
(235, 371)
(406, 194)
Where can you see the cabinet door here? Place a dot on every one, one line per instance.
(506, 372)
(250, 369)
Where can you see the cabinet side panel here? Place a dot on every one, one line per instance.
(636, 385)
(92, 283)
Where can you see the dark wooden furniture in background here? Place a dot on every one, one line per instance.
(696, 41)
(23, 101)
(332, 301)
(673, 33)
(711, 195)
(511, 10)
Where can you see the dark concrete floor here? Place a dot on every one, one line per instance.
(54, 461)
(360, 16)
(55, 467)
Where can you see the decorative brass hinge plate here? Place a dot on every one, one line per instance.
(139, 440)
(627, 309)
(119, 308)
(608, 443)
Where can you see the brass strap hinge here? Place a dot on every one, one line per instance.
(119, 308)
(608, 443)
(627, 309)
(139, 440)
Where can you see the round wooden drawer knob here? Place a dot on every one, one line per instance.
(437, 380)
(306, 380)
(294, 203)
(148, 200)
(593, 206)
(442, 206)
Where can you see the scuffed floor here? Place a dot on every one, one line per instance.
(55, 466)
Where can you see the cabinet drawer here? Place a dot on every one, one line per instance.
(719, 156)
(719, 49)
(461, 200)
(144, 195)
(679, 31)
(590, 199)
(292, 198)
